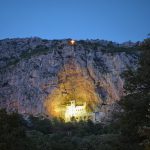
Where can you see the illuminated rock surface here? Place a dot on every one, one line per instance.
(72, 85)
(40, 76)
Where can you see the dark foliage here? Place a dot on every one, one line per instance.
(131, 130)
(38, 133)
(135, 117)
(12, 132)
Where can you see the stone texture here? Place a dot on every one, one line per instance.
(33, 70)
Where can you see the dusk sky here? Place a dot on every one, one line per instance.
(116, 20)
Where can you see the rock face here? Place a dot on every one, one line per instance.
(37, 75)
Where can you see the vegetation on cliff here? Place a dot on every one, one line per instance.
(129, 131)
(134, 121)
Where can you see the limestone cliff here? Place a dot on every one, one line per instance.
(37, 75)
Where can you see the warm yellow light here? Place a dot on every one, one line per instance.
(76, 112)
(72, 42)
(75, 95)
(70, 112)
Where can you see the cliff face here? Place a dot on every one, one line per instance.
(39, 75)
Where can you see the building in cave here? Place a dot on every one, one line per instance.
(79, 112)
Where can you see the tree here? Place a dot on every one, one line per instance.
(135, 117)
(12, 132)
(43, 125)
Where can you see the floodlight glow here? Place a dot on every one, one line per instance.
(72, 42)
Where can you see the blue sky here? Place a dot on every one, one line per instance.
(116, 20)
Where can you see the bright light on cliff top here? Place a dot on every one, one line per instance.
(72, 42)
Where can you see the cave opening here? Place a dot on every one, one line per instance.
(75, 97)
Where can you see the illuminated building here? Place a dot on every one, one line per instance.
(75, 97)
(77, 112)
